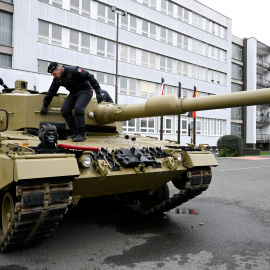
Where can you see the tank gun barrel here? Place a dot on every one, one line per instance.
(172, 105)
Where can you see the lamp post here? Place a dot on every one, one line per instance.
(122, 13)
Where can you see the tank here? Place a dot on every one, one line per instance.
(43, 173)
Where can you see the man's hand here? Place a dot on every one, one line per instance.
(99, 97)
(43, 110)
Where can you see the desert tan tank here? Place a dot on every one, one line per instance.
(42, 172)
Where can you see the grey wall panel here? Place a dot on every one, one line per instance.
(25, 33)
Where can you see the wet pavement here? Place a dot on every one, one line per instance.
(225, 228)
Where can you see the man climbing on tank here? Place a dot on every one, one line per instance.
(105, 95)
(3, 84)
(79, 83)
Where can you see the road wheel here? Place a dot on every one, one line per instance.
(7, 211)
(149, 200)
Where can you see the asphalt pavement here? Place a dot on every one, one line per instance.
(225, 228)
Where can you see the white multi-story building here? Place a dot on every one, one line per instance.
(181, 41)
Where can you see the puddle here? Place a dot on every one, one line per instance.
(183, 211)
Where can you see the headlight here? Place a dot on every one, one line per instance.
(179, 157)
(85, 161)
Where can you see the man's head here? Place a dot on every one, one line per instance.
(55, 69)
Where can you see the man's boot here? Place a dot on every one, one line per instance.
(81, 136)
(74, 134)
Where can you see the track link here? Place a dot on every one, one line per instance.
(41, 204)
(199, 180)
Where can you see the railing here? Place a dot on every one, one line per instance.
(263, 137)
(263, 64)
(263, 83)
(262, 118)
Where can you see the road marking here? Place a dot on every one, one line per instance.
(248, 168)
(251, 158)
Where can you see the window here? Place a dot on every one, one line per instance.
(198, 126)
(85, 42)
(150, 3)
(170, 8)
(133, 23)
(162, 65)
(237, 71)
(50, 33)
(163, 34)
(185, 42)
(86, 8)
(148, 89)
(152, 60)
(80, 7)
(163, 6)
(129, 126)
(124, 53)
(148, 59)
(74, 6)
(237, 53)
(111, 16)
(186, 15)
(170, 37)
(57, 3)
(100, 77)
(100, 46)
(145, 28)
(236, 129)
(105, 48)
(236, 113)
(124, 22)
(205, 126)
(185, 69)
(144, 59)
(180, 13)
(147, 125)
(169, 65)
(42, 66)
(179, 68)
(101, 12)
(212, 126)
(5, 60)
(110, 49)
(167, 124)
(236, 87)
(144, 89)
(179, 41)
(110, 79)
(8, 1)
(56, 35)
(43, 31)
(6, 29)
(184, 125)
(127, 86)
(74, 40)
(152, 30)
(105, 78)
(128, 54)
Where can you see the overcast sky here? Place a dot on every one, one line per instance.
(250, 18)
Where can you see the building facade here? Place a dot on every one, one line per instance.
(181, 41)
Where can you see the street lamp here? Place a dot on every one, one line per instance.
(122, 13)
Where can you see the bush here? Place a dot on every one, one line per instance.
(230, 146)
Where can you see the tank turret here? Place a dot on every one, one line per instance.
(42, 172)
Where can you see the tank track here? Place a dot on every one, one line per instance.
(41, 204)
(198, 181)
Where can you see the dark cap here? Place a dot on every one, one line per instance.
(52, 66)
